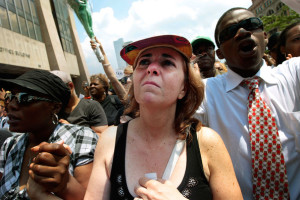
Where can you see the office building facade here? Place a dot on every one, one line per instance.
(265, 8)
(40, 34)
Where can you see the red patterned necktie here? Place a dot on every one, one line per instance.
(268, 167)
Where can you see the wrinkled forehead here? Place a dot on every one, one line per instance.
(159, 51)
(234, 17)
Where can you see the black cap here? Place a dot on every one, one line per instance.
(43, 82)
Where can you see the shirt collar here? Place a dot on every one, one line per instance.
(232, 79)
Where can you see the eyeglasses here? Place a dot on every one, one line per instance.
(24, 98)
(125, 78)
(249, 24)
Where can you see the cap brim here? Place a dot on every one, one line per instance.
(9, 84)
(130, 52)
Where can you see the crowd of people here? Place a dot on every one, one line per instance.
(179, 125)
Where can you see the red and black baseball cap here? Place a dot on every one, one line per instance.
(130, 52)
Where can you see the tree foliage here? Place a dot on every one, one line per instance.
(280, 20)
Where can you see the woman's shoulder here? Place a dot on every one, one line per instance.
(107, 139)
(208, 138)
(109, 135)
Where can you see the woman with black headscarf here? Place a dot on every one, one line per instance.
(35, 102)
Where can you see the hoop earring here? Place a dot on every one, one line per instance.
(55, 119)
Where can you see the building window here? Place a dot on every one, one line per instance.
(62, 17)
(31, 29)
(38, 32)
(4, 18)
(20, 16)
(268, 3)
(270, 12)
(14, 22)
(23, 26)
(2, 3)
(279, 6)
(259, 9)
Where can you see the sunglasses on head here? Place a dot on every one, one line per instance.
(24, 98)
(249, 24)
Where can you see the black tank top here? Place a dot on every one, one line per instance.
(194, 185)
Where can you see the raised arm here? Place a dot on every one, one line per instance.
(217, 166)
(110, 73)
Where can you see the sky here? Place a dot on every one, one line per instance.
(138, 19)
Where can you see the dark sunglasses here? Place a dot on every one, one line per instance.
(24, 98)
(124, 79)
(249, 24)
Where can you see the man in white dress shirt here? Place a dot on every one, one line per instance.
(225, 106)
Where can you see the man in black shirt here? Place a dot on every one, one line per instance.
(83, 112)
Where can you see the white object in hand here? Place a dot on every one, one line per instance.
(97, 51)
(151, 176)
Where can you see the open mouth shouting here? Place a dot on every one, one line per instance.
(247, 48)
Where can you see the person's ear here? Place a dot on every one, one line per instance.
(71, 85)
(220, 54)
(283, 50)
(266, 40)
(182, 92)
(57, 107)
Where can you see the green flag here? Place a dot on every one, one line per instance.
(84, 13)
